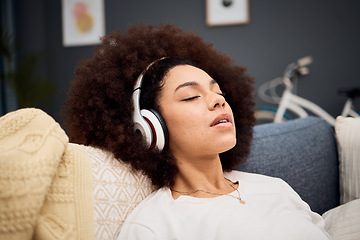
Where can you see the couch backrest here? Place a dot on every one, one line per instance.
(303, 153)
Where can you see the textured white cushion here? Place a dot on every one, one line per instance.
(343, 222)
(348, 137)
(117, 191)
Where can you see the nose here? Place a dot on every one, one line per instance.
(216, 101)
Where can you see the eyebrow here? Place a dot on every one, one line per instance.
(187, 84)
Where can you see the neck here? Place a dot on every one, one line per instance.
(200, 174)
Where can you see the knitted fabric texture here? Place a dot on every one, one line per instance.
(45, 183)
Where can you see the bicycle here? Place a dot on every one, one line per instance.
(290, 104)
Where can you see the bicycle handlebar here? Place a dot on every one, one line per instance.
(297, 68)
(292, 70)
(302, 62)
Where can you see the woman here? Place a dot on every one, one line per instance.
(185, 81)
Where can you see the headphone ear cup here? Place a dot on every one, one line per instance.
(143, 128)
(158, 128)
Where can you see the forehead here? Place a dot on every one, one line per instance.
(187, 75)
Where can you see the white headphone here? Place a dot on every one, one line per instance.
(147, 121)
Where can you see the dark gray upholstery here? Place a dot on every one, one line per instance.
(303, 153)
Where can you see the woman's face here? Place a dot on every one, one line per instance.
(199, 120)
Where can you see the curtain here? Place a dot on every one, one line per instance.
(7, 97)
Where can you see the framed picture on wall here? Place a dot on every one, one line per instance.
(227, 12)
(82, 22)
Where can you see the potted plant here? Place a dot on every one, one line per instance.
(29, 89)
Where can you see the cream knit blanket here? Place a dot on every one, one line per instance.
(45, 182)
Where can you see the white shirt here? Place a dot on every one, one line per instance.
(272, 211)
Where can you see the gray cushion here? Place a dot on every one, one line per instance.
(303, 153)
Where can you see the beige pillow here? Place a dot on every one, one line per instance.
(348, 138)
(117, 191)
(343, 222)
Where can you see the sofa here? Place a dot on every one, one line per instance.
(53, 189)
(302, 152)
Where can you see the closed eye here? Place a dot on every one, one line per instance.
(190, 98)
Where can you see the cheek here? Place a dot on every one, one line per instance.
(181, 123)
(184, 125)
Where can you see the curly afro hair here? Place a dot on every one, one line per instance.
(99, 108)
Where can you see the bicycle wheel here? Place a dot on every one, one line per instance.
(267, 114)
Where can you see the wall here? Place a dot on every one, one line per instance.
(279, 32)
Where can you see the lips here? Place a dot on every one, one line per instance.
(222, 120)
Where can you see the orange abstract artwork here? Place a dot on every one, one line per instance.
(83, 18)
(83, 22)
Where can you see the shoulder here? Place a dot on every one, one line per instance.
(150, 206)
(145, 219)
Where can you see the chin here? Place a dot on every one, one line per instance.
(227, 145)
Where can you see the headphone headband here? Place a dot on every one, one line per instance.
(140, 78)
